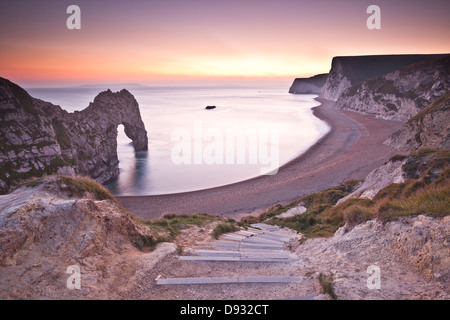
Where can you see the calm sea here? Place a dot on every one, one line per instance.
(252, 131)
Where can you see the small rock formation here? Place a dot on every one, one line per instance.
(379, 178)
(39, 138)
(401, 94)
(53, 223)
(349, 71)
(210, 107)
(429, 128)
(312, 85)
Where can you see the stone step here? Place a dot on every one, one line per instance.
(264, 226)
(269, 236)
(263, 241)
(216, 253)
(262, 246)
(223, 244)
(240, 251)
(228, 280)
(238, 259)
(248, 254)
(247, 233)
(234, 237)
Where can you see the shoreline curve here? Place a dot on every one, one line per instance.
(350, 150)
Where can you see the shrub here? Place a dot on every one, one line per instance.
(358, 214)
(224, 227)
(326, 285)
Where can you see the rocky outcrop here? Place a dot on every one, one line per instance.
(412, 255)
(53, 223)
(349, 71)
(379, 178)
(401, 94)
(429, 128)
(40, 138)
(312, 85)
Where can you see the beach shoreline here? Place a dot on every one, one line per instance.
(350, 150)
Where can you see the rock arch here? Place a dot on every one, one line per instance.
(97, 141)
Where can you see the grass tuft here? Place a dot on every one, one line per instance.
(426, 191)
(326, 285)
(224, 227)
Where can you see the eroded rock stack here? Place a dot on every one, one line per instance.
(39, 138)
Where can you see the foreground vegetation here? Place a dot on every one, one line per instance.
(170, 226)
(426, 190)
(165, 229)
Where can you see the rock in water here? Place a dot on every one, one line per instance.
(210, 107)
(40, 138)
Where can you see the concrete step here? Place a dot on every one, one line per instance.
(263, 241)
(244, 254)
(238, 259)
(262, 246)
(264, 226)
(228, 280)
(270, 235)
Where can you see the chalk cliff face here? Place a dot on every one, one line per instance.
(39, 138)
(401, 94)
(349, 71)
(429, 128)
(312, 85)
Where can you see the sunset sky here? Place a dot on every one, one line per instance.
(175, 40)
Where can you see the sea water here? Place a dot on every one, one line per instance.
(275, 125)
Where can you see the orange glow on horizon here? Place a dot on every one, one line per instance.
(157, 40)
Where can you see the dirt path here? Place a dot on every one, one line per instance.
(267, 262)
(352, 148)
(248, 264)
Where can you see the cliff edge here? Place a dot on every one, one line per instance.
(401, 94)
(348, 71)
(39, 138)
(312, 85)
(53, 223)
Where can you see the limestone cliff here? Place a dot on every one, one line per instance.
(312, 85)
(401, 94)
(429, 128)
(39, 138)
(348, 71)
(55, 222)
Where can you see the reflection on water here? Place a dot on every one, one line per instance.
(165, 110)
(136, 172)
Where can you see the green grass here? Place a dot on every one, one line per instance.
(440, 104)
(320, 219)
(424, 161)
(430, 200)
(75, 187)
(224, 227)
(78, 186)
(426, 191)
(173, 224)
(327, 286)
(148, 243)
